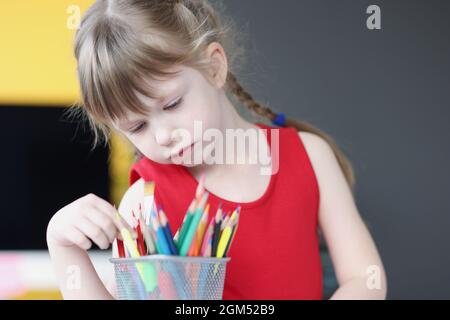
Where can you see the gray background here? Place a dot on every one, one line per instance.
(384, 96)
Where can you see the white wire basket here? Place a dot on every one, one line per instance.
(167, 277)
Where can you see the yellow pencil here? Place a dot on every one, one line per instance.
(224, 237)
(146, 271)
(234, 226)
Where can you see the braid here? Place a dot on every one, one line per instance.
(243, 96)
(247, 99)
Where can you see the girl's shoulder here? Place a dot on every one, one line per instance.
(313, 142)
(319, 151)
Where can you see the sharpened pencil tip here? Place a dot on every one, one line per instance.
(149, 188)
(200, 187)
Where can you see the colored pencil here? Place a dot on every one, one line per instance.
(176, 236)
(200, 187)
(152, 231)
(149, 242)
(146, 271)
(140, 238)
(186, 242)
(224, 238)
(233, 231)
(120, 248)
(194, 250)
(188, 217)
(207, 238)
(224, 222)
(149, 198)
(160, 237)
(186, 221)
(167, 232)
(216, 234)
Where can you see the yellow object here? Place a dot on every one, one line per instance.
(224, 238)
(39, 295)
(233, 216)
(36, 60)
(129, 243)
(226, 234)
(146, 270)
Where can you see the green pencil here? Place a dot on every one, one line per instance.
(186, 242)
(185, 224)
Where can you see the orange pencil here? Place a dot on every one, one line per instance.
(201, 230)
(197, 240)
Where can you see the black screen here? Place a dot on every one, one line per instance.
(47, 162)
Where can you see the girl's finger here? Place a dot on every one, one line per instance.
(118, 220)
(94, 233)
(105, 222)
(78, 238)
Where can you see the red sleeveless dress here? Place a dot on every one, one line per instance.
(275, 252)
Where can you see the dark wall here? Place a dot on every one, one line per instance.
(46, 163)
(384, 96)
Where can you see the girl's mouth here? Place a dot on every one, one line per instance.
(182, 151)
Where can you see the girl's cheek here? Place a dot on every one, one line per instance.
(201, 116)
(151, 150)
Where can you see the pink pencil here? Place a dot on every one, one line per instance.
(207, 237)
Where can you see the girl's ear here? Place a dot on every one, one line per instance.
(219, 64)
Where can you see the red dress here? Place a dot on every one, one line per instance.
(275, 252)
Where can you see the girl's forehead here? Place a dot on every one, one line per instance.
(164, 90)
(164, 87)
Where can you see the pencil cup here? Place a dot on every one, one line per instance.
(167, 277)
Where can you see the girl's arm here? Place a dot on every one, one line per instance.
(71, 232)
(357, 264)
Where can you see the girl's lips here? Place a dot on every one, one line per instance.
(180, 153)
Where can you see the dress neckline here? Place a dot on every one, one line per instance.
(255, 203)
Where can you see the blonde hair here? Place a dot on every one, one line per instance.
(122, 43)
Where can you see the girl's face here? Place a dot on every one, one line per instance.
(185, 98)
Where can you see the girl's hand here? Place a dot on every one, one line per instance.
(86, 220)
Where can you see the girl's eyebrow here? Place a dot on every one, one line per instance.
(162, 97)
(126, 125)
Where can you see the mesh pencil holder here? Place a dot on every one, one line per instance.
(167, 277)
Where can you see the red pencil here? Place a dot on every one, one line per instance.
(140, 238)
(120, 248)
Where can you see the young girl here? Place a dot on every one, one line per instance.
(148, 68)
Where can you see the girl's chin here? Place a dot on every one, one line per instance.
(190, 165)
(185, 163)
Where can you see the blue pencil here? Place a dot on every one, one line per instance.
(160, 236)
(168, 233)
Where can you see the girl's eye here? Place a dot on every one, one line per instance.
(138, 128)
(173, 105)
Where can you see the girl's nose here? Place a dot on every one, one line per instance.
(162, 136)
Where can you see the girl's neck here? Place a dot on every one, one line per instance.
(230, 120)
